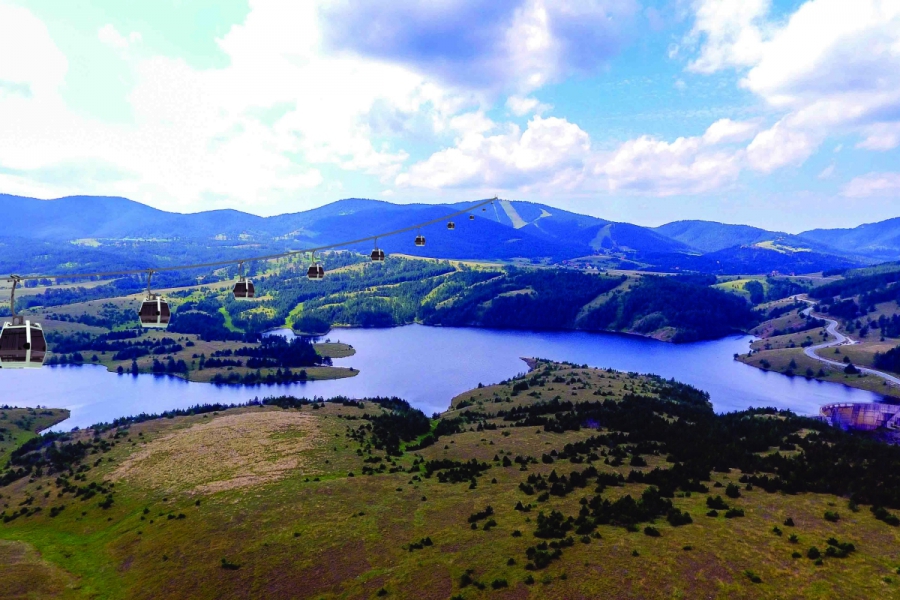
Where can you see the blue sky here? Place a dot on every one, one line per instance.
(784, 115)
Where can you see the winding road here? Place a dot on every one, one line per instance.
(839, 340)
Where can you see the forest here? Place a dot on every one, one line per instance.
(400, 291)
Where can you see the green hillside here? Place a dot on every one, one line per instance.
(565, 482)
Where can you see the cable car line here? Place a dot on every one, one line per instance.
(22, 343)
(234, 261)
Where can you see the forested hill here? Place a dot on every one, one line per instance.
(403, 291)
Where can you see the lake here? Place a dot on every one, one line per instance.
(428, 366)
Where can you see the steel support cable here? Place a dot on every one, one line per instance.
(237, 261)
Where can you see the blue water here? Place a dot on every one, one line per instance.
(428, 366)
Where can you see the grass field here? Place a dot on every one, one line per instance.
(777, 352)
(18, 425)
(780, 361)
(260, 502)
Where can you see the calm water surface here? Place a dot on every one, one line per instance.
(430, 365)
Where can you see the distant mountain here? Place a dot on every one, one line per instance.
(710, 236)
(507, 230)
(880, 241)
(79, 217)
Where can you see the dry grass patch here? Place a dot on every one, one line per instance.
(24, 574)
(229, 452)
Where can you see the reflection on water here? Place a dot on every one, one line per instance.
(428, 366)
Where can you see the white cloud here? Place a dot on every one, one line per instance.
(30, 59)
(483, 44)
(827, 172)
(548, 152)
(880, 136)
(526, 105)
(831, 67)
(110, 36)
(196, 139)
(726, 131)
(731, 32)
(686, 166)
(873, 184)
(779, 146)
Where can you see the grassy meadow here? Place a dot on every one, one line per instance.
(299, 503)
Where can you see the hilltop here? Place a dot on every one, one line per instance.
(564, 482)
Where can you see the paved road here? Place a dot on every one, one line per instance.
(839, 340)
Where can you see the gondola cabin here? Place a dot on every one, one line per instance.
(420, 240)
(22, 345)
(243, 288)
(316, 272)
(451, 225)
(154, 313)
(377, 255)
(471, 217)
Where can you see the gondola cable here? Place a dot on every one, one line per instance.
(22, 343)
(235, 261)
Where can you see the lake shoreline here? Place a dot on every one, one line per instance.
(429, 366)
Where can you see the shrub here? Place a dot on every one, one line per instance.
(651, 531)
(732, 513)
(482, 514)
(813, 553)
(733, 491)
(677, 517)
(838, 549)
(716, 503)
(833, 517)
(883, 515)
(499, 583)
(753, 576)
(789, 522)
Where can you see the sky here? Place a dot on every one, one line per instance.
(779, 114)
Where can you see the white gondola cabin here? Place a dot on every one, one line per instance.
(154, 313)
(244, 288)
(316, 272)
(22, 345)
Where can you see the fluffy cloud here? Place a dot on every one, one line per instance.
(731, 33)
(524, 105)
(254, 133)
(726, 131)
(688, 165)
(832, 67)
(110, 36)
(873, 184)
(548, 152)
(521, 44)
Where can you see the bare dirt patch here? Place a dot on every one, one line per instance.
(229, 452)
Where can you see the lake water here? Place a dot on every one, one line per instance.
(428, 366)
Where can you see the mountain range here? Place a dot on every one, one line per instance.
(503, 230)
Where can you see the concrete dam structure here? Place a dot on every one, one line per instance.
(862, 417)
